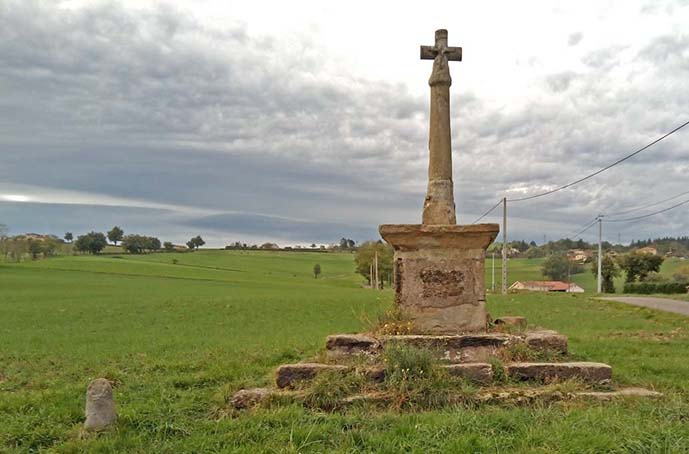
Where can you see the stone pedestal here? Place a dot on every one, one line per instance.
(439, 271)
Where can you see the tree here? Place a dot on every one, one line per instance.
(69, 237)
(682, 274)
(134, 244)
(92, 242)
(609, 271)
(365, 257)
(115, 235)
(152, 243)
(556, 267)
(346, 243)
(3, 239)
(35, 248)
(139, 244)
(316, 270)
(195, 242)
(637, 265)
(50, 246)
(168, 246)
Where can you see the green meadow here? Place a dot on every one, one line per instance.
(179, 333)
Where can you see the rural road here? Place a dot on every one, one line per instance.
(662, 304)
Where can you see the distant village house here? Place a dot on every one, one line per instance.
(547, 286)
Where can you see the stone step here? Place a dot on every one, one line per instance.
(288, 375)
(481, 373)
(455, 348)
(545, 340)
(544, 372)
(247, 398)
(348, 344)
(512, 321)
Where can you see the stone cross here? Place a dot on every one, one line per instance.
(439, 206)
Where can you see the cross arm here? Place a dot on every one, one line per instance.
(452, 53)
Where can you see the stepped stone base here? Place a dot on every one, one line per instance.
(461, 355)
(589, 372)
(458, 348)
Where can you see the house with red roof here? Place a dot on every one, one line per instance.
(547, 286)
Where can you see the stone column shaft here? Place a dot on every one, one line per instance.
(439, 206)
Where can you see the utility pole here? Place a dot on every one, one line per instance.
(600, 254)
(376, 268)
(504, 245)
(492, 281)
(370, 274)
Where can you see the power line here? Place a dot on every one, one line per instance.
(586, 227)
(488, 212)
(649, 214)
(643, 207)
(603, 169)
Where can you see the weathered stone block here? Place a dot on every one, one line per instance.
(100, 406)
(246, 398)
(626, 392)
(547, 340)
(587, 371)
(460, 348)
(478, 372)
(289, 374)
(440, 275)
(351, 344)
(512, 322)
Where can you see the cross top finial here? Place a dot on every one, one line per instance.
(441, 48)
(440, 38)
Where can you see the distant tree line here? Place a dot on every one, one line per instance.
(637, 267)
(678, 246)
(15, 248)
(669, 246)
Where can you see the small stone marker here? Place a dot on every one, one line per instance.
(100, 406)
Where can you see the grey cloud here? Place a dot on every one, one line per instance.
(603, 58)
(561, 81)
(672, 49)
(291, 230)
(574, 39)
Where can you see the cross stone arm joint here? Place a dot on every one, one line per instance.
(430, 52)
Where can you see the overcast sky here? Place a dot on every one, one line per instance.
(302, 122)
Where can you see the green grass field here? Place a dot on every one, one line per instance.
(178, 339)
